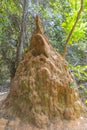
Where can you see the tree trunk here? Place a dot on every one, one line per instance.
(23, 31)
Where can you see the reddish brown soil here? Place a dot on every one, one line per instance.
(9, 123)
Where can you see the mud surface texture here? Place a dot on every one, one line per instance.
(43, 88)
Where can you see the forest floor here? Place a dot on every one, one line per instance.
(10, 123)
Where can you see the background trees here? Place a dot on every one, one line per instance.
(57, 17)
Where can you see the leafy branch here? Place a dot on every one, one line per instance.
(72, 29)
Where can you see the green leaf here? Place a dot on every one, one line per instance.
(86, 91)
(86, 101)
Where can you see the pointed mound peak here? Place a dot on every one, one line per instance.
(39, 44)
(39, 28)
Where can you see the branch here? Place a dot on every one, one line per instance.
(73, 27)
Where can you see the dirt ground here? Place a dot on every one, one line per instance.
(80, 124)
(10, 123)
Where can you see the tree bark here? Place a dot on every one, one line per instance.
(73, 27)
(23, 31)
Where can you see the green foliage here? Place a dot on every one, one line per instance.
(86, 91)
(79, 32)
(86, 102)
(79, 71)
(9, 30)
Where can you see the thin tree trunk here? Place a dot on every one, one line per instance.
(23, 31)
(73, 27)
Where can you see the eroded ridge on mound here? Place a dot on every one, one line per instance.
(42, 87)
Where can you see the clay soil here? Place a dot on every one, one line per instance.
(14, 123)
